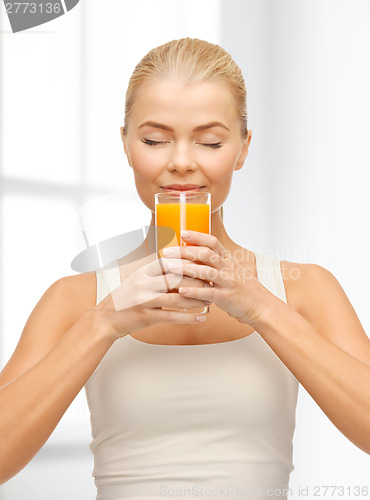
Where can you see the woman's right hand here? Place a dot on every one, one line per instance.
(136, 303)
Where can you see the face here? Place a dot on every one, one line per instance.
(184, 135)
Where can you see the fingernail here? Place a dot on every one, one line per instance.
(185, 234)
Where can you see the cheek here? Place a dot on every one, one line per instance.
(221, 167)
(145, 164)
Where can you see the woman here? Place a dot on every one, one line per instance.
(181, 406)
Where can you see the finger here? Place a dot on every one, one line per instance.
(202, 255)
(174, 299)
(177, 317)
(168, 267)
(195, 282)
(204, 273)
(206, 294)
(162, 284)
(185, 281)
(154, 268)
(167, 281)
(204, 239)
(159, 266)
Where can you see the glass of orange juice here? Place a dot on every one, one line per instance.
(179, 211)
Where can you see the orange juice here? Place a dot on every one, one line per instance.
(193, 216)
(175, 212)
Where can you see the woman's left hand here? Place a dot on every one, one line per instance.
(235, 289)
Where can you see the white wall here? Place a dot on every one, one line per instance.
(302, 191)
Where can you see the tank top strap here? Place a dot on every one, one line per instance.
(270, 275)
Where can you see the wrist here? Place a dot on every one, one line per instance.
(272, 309)
(99, 326)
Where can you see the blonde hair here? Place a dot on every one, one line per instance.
(189, 60)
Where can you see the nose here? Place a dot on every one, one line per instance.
(181, 159)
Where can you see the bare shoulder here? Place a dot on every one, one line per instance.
(317, 295)
(68, 298)
(79, 291)
(307, 284)
(64, 302)
(59, 308)
(298, 281)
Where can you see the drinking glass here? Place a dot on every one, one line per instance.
(179, 211)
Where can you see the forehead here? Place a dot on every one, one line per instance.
(191, 104)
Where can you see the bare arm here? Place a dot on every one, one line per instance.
(51, 364)
(63, 341)
(326, 349)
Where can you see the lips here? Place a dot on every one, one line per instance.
(182, 187)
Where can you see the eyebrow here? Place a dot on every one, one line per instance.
(196, 129)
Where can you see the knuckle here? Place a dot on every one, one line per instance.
(203, 254)
(226, 255)
(213, 258)
(214, 274)
(192, 273)
(208, 253)
(224, 274)
(209, 275)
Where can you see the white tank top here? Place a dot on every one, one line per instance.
(194, 421)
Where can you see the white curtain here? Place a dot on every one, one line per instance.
(302, 192)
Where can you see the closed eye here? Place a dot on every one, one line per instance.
(214, 145)
(152, 143)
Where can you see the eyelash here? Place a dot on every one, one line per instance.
(216, 145)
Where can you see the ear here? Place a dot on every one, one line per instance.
(123, 137)
(244, 152)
